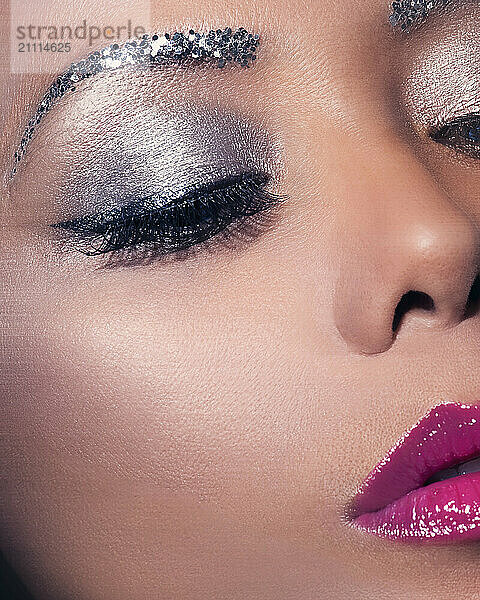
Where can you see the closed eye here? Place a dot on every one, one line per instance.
(162, 226)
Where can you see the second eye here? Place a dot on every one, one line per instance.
(462, 134)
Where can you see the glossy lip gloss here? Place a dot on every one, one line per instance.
(427, 488)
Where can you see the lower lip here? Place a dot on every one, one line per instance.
(446, 511)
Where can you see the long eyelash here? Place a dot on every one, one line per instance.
(173, 226)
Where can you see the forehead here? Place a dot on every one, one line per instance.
(324, 15)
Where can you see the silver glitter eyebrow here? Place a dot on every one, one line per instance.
(410, 13)
(219, 46)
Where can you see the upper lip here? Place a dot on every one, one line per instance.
(447, 435)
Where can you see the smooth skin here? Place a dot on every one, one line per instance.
(194, 429)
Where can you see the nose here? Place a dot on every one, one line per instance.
(405, 246)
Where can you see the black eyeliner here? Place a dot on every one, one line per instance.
(166, 226)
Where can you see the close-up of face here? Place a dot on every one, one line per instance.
(239, 267)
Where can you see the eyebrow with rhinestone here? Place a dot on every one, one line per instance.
(410, 13)
(219, 46)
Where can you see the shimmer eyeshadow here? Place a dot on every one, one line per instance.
(220, 46)
(161, 151)
(406, 13)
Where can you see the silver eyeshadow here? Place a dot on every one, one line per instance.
(408, 13)
(443, 77)
(164, 151)
(219, 46)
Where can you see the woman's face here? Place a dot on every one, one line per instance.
(195, 425)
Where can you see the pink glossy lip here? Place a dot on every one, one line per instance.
(394, 502)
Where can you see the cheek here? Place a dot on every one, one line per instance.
(148, 402)
(131, 377)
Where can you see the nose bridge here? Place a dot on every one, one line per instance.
(400, 233)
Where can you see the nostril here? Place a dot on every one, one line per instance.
(473, 301)
(410, 301)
